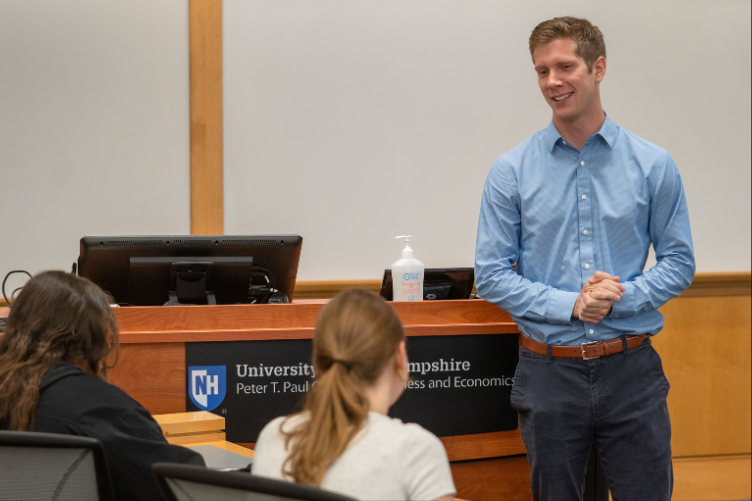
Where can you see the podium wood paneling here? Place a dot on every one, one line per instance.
(153, 374)
(495, 479)
(483, 445)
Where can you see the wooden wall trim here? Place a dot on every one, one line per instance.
(738, 283)
(326, 289)
(705, 284)
(207, 178)
(720, 284)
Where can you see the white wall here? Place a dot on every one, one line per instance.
(352, 122)
(347, 122)
(94, 125)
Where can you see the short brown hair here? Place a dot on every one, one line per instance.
(589, 39)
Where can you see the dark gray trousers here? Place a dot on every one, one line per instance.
(617, 401)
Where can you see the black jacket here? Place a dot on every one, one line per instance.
(74, 403)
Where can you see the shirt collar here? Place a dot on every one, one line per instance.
(551, 136)
(608, 132)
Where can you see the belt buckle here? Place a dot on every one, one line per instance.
(582, 347)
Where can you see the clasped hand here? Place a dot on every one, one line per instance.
(597, 296)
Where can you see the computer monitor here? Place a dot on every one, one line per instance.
(438, 283)
(159, 270)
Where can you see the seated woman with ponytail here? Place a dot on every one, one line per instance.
(53, 370)
(343, 440)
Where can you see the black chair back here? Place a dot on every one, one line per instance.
(193, 483)
(44, 466)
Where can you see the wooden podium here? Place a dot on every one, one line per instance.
(151, 368)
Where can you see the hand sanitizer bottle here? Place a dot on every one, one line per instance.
(407, 276)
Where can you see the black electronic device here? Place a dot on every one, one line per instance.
(157, 270)
(438, 283)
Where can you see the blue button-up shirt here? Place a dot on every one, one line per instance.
(561, 214)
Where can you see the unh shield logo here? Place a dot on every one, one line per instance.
(207, 385)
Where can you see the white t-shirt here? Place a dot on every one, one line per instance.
(388, 459)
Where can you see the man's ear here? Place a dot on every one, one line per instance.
(599, 68)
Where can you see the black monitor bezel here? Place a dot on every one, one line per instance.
(106, 259)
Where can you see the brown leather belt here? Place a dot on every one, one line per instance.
(585, 351)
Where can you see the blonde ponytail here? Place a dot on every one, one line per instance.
(357, 334)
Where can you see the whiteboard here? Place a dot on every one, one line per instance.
(352, 122)
(94, 125)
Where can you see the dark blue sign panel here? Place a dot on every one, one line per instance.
(460, 385)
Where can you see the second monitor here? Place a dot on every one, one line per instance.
(438, 283)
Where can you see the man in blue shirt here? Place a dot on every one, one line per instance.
(566, 222)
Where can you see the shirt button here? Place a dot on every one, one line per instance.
(584, 197)
(587, 266)
(563, 142)
(582, 163)
(584, 232)
(592, 331)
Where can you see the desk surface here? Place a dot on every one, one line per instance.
(228, 446)
(160, 324)
(180, 324)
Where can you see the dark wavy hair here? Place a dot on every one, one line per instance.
(56, 317)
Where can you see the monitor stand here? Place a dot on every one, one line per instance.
(190, 283)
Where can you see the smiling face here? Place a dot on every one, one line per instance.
(569, 87)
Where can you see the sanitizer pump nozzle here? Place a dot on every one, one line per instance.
(407, 252)
(407, 275)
